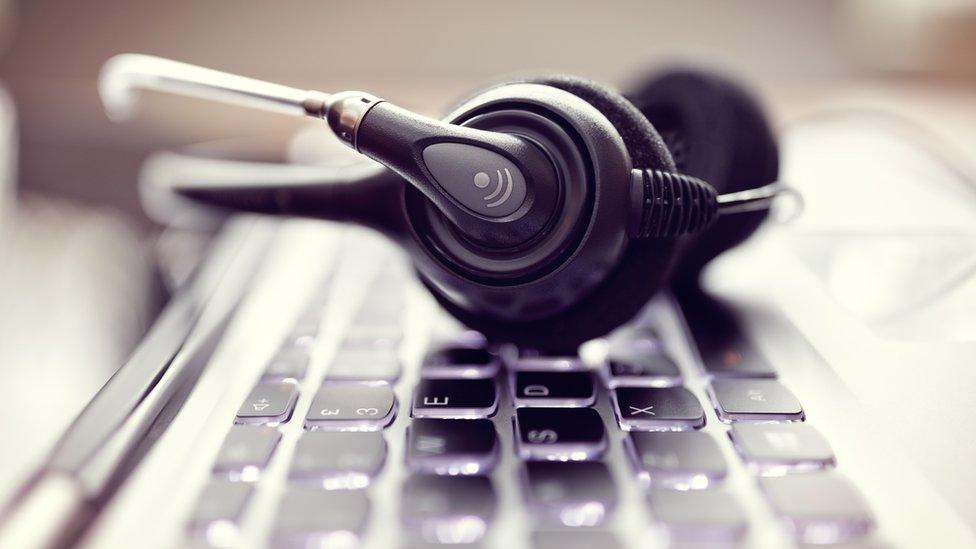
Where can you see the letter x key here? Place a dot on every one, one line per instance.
(636, 411)
(657, 409)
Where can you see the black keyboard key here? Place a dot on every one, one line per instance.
(448, 509)
(459, 362)
(553, 389)
(773, 448)
(560, 434)
(736, 358)
(452, 446)
(570, 493)
(657, 409)
(709, 517)
(312, 517)
(455, 398)
(575, 539)
(338, 460)
(754, 400)
(819, 507)
(641, 369)
(288, 363)
(548, 363)
(352, 406)
(724, 349)
(246, 450)
(269, 402)
(218, 511)
(678, 460)
(360, 364)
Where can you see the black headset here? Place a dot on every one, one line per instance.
(541, 212)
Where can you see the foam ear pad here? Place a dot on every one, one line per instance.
(646, 146)
(643, 269)
(716, 131)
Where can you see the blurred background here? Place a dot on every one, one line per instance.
(78, 276)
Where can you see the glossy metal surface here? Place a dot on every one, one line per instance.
(125, 74)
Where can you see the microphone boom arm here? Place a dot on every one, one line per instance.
(124, 75)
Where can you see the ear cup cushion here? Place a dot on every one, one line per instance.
(642, 270)
(717, 131)
(645, 145)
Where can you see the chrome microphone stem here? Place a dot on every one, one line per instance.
(125, 74)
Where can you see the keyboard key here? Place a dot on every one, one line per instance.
(548, 363)
(575, 539)
(640, 369)
(452, 446)
(352, 406)
(559, 433)
(657, 409)
(458, 362)
(269, 402)
(571, 494)
(288, 363)
(246, 450)
(635, 339)
(735, 358)
(772, 448)
(455, 398)
(338, 460)
(553, 389)
(754, 400)
(678, 460)
(446, 509)
(364, 365)
(218, 512)
(311, 517)
(699, 516)
(819, 507)
(724, 349)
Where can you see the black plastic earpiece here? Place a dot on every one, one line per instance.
(498, 189)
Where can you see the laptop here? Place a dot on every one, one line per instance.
(302, 389)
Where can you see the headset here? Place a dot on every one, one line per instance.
(543, 212)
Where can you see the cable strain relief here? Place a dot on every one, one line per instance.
(668, 204)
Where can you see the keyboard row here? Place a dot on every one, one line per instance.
(669, 459)
(449, 490)
(372, 405)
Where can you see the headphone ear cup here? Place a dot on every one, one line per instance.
(716, 131)
(642, 270)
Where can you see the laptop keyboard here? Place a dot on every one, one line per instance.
(559, 420)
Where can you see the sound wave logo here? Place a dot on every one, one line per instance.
(482, 180)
